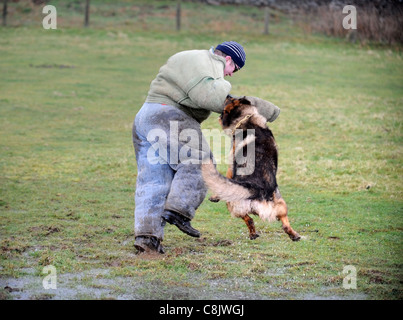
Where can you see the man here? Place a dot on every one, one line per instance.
(186, 90)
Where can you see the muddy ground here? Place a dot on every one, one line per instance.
(98, 284)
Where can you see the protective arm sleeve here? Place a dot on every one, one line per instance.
(210, 94)
(265, 108)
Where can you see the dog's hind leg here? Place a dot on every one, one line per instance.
(251, 226)
(281, 214)
(294, 236)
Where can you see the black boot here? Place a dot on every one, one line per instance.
(181, 222)
(148, 244)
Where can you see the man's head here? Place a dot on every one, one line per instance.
(234, 56)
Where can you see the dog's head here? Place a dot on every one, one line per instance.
(234, 111)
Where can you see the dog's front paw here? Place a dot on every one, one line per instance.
(253, 236)
(295, 237)
(214, 199)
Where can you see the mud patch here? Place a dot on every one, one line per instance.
(100, 284)
(97, 284)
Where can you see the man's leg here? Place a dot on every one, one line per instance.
(184, 190)
(152, 187)
(186, 194)
(187, 181)
(187, 189)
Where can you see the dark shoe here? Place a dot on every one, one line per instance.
(214, 199)
(148, 244)
(181, 222)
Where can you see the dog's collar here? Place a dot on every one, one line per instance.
(240, 122)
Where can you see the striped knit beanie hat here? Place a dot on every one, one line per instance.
(235, 51)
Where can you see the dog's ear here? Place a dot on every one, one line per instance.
(230, 112)
(225, 112)
(225, 118)
(228, 100)
(245, 101)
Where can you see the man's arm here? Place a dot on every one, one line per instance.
(209, 94)
(265, 108)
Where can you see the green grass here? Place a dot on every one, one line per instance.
(67, 101)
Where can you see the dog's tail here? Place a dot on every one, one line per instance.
(225, 189)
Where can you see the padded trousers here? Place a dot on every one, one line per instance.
(169, 148)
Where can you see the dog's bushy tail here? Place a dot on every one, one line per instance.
(225, 189)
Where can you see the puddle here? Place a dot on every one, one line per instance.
(97, 284)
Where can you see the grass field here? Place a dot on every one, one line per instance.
(67, 101)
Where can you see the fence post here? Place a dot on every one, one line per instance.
(266, 20)
(87, 13)
(178, 16)
(5, 12)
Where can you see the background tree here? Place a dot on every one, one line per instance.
(87, 13)
(5, 12)
(178, 15)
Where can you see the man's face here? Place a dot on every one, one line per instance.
(230, 67)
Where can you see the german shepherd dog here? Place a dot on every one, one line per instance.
(255, 193)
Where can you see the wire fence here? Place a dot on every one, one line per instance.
(380, 24)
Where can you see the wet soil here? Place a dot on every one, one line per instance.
(98, 284)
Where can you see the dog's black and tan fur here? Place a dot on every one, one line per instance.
(256, 193)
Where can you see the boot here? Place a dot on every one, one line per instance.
(148, 244)
(181, 222)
